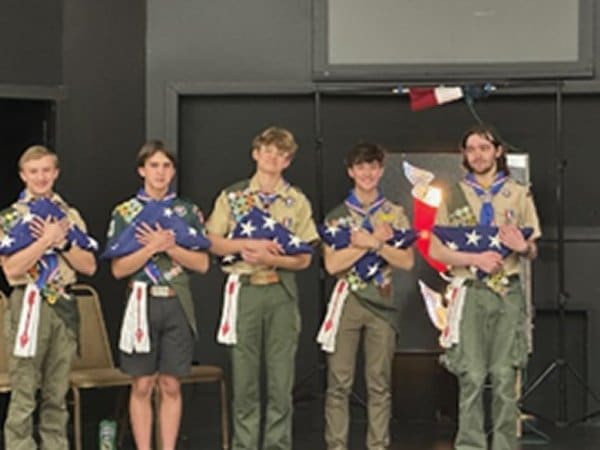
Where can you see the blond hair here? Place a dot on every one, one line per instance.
(279, 137)
(36, 152)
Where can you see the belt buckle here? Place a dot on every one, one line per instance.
(263, 278)
(160, 291)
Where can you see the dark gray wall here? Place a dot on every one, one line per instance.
(101, 122)
(30, 42)
(225, 41)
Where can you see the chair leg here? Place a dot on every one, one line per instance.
(76, 418)
(224, 416)
(122, 415)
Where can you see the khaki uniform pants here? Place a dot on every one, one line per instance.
(268, 320)
(48, 371)
(379, 345)
(492, 341)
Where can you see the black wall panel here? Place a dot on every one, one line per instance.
(215, 140)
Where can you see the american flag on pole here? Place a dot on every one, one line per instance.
(258, 224)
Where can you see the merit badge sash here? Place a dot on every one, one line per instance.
(134, 336)
(227, 333)
(331, 323)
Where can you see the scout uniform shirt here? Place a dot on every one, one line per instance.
(173, 274)
(375, 295)
(513, 204)
(54, 292)
(287, 205)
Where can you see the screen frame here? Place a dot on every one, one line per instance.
(323, 70)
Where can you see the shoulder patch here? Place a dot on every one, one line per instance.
(8, 217)
(129, 209)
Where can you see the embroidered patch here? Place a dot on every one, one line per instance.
(241, 202)
(386, 217)
(180, 210)
(130, 209)
(8, 219)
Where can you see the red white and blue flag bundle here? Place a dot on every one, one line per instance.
(476, 239)
(20, 236)
(152, 214)
(370, 264)
(258, 224)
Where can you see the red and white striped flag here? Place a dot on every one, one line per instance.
(427, 97)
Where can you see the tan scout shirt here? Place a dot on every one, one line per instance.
(389, 213)
(512, 205)
(291, 208)
(66, 274)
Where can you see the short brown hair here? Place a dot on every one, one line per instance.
(150, 148)
(37, 152)
(279, 137)
(365, 152)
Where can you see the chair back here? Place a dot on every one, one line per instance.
(94, 347)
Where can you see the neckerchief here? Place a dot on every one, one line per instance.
(486, 215)
(354, 204)
(267, 199)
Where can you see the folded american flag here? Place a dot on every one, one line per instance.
(20, 236)
(152, 214)
(370, 264)
(476, 239)
(258, 224)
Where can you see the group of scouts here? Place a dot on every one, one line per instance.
(262, 231)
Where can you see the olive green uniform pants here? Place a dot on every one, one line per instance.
(48, 371)
(379, 345)
(268, 320)
(492, 342)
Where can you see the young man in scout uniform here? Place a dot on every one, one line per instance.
(156, 345)
(265, 291)
(492, 329)
(41, 327)
(364, 305)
